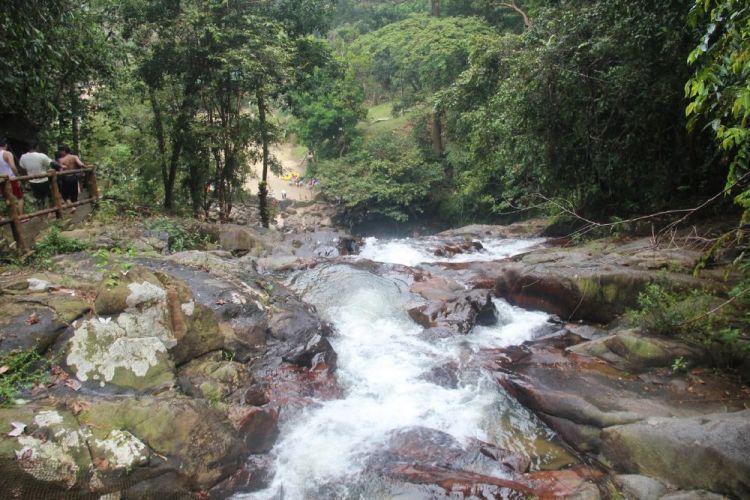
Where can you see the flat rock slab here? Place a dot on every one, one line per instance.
(580, 395)
(706, 452)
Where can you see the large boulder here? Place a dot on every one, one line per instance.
(147, 323)
(459, 313)
(706, 452)
(187, 436)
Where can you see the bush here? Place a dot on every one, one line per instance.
(54, 243)
(181, 238)
(698, 318)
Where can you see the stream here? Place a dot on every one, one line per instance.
(393, 379)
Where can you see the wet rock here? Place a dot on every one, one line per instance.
(255, 473)
(693, 495)
(293, 389)
(213, 378)
(436, 333)
(706, 452)
(452, 249)
(300, 333)
(24, 326)
(422, 446)
(258, 427)
(578, 396)
(436, 288)
(444, 376)
(527, 228)
(196, 441)
(460, 313)
(640, 487)
(255, 396)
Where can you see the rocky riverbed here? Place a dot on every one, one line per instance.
(301, 362)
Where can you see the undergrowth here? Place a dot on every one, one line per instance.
(181, 238)
(720, 325)
(21, 370)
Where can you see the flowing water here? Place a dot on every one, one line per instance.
(382, 363)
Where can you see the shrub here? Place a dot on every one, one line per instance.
(54, 243)
(698, 318)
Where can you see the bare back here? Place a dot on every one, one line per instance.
(70, 162)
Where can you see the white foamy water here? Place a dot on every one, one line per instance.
(382, 363)
(412, 252)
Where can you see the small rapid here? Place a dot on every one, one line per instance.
(384, 369)
(412, 252)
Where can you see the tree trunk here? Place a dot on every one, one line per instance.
(75, 121)
(436, 8)
(263, 186)
(182, 123)
(436, 132)
(161, 142)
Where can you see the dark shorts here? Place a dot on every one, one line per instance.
(69, 187)
(15, 186)
(41, 191)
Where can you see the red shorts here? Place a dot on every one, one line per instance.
(15, 186)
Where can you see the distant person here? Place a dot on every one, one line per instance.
(69, 183)
(8, 168)
(36, 163)
(283, 194)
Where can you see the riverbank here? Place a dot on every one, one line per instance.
(489, 360)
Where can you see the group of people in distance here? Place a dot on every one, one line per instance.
(35, 162)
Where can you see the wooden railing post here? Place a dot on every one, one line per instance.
(57, 200)
(93, 190)
(15, 219)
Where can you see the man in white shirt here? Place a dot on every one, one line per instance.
(36, 163)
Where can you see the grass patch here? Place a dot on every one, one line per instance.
(19, 371)
(380, 119)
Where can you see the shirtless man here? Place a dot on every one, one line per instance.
(69, 183)
(8, 168)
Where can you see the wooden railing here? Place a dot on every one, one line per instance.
(16, 220)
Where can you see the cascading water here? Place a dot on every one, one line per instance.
(383, 366)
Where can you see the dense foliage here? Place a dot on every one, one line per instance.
(387, 176)
(53, 53)
(586, 105)
(497, 106)
(720, 87)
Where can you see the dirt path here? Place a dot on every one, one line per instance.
(292, 163)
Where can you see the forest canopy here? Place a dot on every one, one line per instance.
(494, 108)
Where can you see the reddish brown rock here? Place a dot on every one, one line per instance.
(257, 426)
(459, 314)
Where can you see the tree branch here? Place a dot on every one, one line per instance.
(512, 5)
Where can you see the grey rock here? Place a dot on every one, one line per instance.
(640, 487)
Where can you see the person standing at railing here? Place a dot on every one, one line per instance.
(36, 163)
(69, 183)
(8, 168)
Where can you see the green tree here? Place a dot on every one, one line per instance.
(53, 51)
(719, 89)
(388, 176)
(327, 102)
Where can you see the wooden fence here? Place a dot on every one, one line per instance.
(16, 220)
